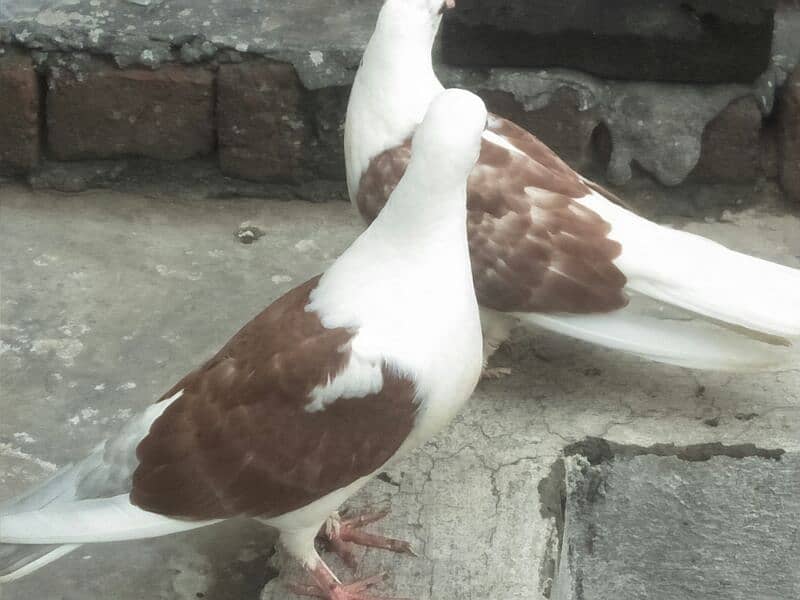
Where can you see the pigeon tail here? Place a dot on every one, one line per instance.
(694, 273)
(18, 561)
(705, 306)
(687, 341)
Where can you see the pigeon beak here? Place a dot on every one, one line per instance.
(447, 5)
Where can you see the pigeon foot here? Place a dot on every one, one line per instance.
(340, 534)
(327, 587)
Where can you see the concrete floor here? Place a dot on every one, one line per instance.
(107, 299)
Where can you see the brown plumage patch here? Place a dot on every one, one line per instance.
(381, 177)
(239, 440)
(533, 247)
(552, 173)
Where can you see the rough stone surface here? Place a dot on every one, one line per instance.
(323, 40)
(734, 144)
(103, 291)
(95, 110)
(709, 41)
(661, 527)
(261, 123)
(789, 136)
(656, 126)
(19, 112)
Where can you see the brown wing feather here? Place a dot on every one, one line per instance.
(533, 247)
(381, 177)
(550, 170)
(239, 440)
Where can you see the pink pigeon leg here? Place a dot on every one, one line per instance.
(340, 534)
(328, 587)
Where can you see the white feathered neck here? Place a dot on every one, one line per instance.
(394, 85)
(411, 265)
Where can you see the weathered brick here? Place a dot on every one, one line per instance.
(560, 123)
(789, 136)
(328, 107)
(263, 129)
(733, 145)
(95, 110)
(19, 117)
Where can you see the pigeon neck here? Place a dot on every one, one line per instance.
(400, 75)
(425, 207)
(391, 93)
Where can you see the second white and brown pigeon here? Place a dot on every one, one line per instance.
(552, 249)
(307, 401)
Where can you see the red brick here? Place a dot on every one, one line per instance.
(733, 145)
(19, 117)
(789, 136)
(263, 130)
(95, 110)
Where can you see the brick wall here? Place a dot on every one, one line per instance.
(259, 122)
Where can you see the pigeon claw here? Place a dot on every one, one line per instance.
(327, 587)
(340, 534)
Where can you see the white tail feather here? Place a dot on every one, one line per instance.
(87, 521)
(704, 277)
(78, 503)
(741, 313)
(35, 560)
(695, 344)
(61, 487)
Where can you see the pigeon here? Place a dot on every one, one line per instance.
(308, 401)
(551, 249)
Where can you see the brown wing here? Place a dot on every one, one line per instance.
(239, 440)
(570, 182)
(533, 247)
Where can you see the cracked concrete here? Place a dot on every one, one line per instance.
(148, 288)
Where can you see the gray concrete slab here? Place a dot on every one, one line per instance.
(659, 527)
(108, 298)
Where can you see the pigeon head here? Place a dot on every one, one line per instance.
(406, 18)
(448, 141)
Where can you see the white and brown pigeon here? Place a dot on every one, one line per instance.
(552, 249)
(308, 401)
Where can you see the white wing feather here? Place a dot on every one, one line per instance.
(87, 521)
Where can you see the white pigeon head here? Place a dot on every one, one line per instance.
(448, 141)
(405, 18)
